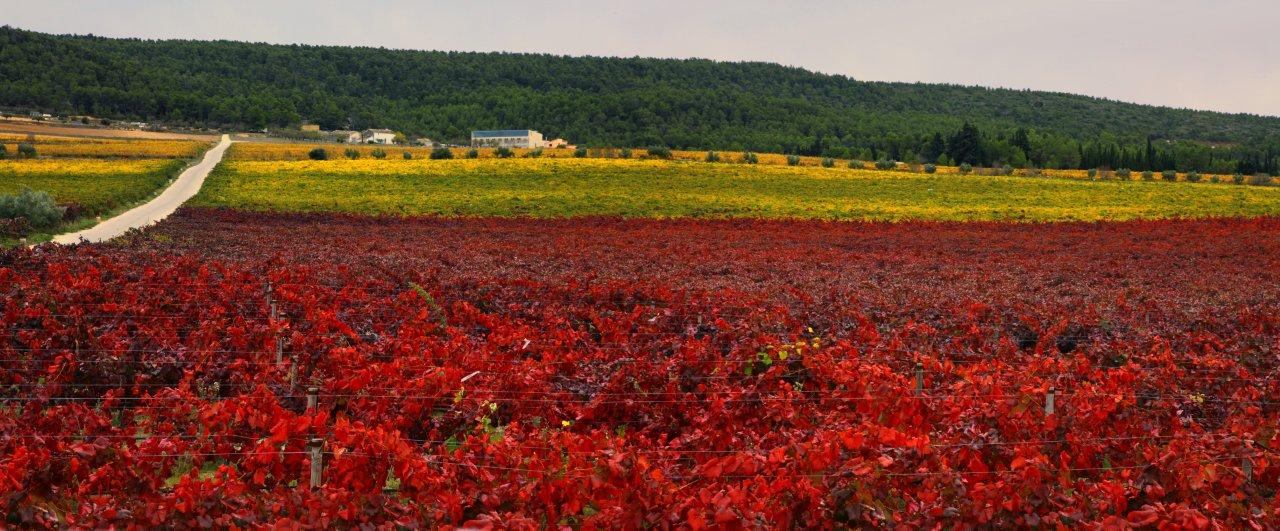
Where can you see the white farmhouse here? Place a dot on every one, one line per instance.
(377, 136)
(508, 138)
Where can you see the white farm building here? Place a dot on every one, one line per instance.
(378, 136)
(508, 138)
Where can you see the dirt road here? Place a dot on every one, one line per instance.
(182, 189)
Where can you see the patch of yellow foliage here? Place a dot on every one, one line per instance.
(266, 151)
(68, 147)
(565, 187)
(15, 168)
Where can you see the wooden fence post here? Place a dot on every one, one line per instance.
(1048, 400)
(316, 446)
(919, 378)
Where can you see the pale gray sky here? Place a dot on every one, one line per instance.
(1204, 54)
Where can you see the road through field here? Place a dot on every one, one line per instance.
(157, 209)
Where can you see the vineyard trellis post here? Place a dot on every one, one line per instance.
(316, 447)
(275, 314)
(1049, 399)
(919, 378)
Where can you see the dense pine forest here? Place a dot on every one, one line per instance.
(690, 104)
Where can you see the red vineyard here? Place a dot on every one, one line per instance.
(610, 373)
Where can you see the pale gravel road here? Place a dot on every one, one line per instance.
(182, 189)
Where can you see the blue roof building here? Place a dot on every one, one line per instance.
(509, 138)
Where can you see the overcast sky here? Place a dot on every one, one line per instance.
(1205, 54)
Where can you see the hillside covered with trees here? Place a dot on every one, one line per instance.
(691, 104)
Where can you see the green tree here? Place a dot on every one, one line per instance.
(1021, 141)
(966, 146)
(935, 148)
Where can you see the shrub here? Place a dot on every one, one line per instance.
(504, 153)
(856, 164)
(36, 207)
(407, 155)
(793, 160)
(1124, 173)
(713, 156)
(885, 164)
(1148, 175)
(660, 152)
(1006, 170)
(4, 152)
(828, 162)
(1237, 178)
(749, 158)
(1260, 179)
(1215, 179)
(352, 153)
(1033, 172)
(581, 152)
(1169, 175)
(1093, 173)
(26, 150)
(318, 154)
(379, 153)
(966, 168)
(931, 168)
(537, 152)
(14, 228)
(625, 153)
(72, 211)
(1193, 176)
(473, 153)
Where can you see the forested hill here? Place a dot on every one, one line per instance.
(590, 100)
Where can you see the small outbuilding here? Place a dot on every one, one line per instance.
(378, 136)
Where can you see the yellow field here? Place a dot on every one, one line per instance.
(271, 151)
(9, 168)
(71, 147)
(96, 185)
(283, 151)
(560, 187)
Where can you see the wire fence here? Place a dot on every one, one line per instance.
(927, 374)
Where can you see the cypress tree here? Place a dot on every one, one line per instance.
(934, 149)
(1021, 141)
(966, 146)
(1150, 161)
